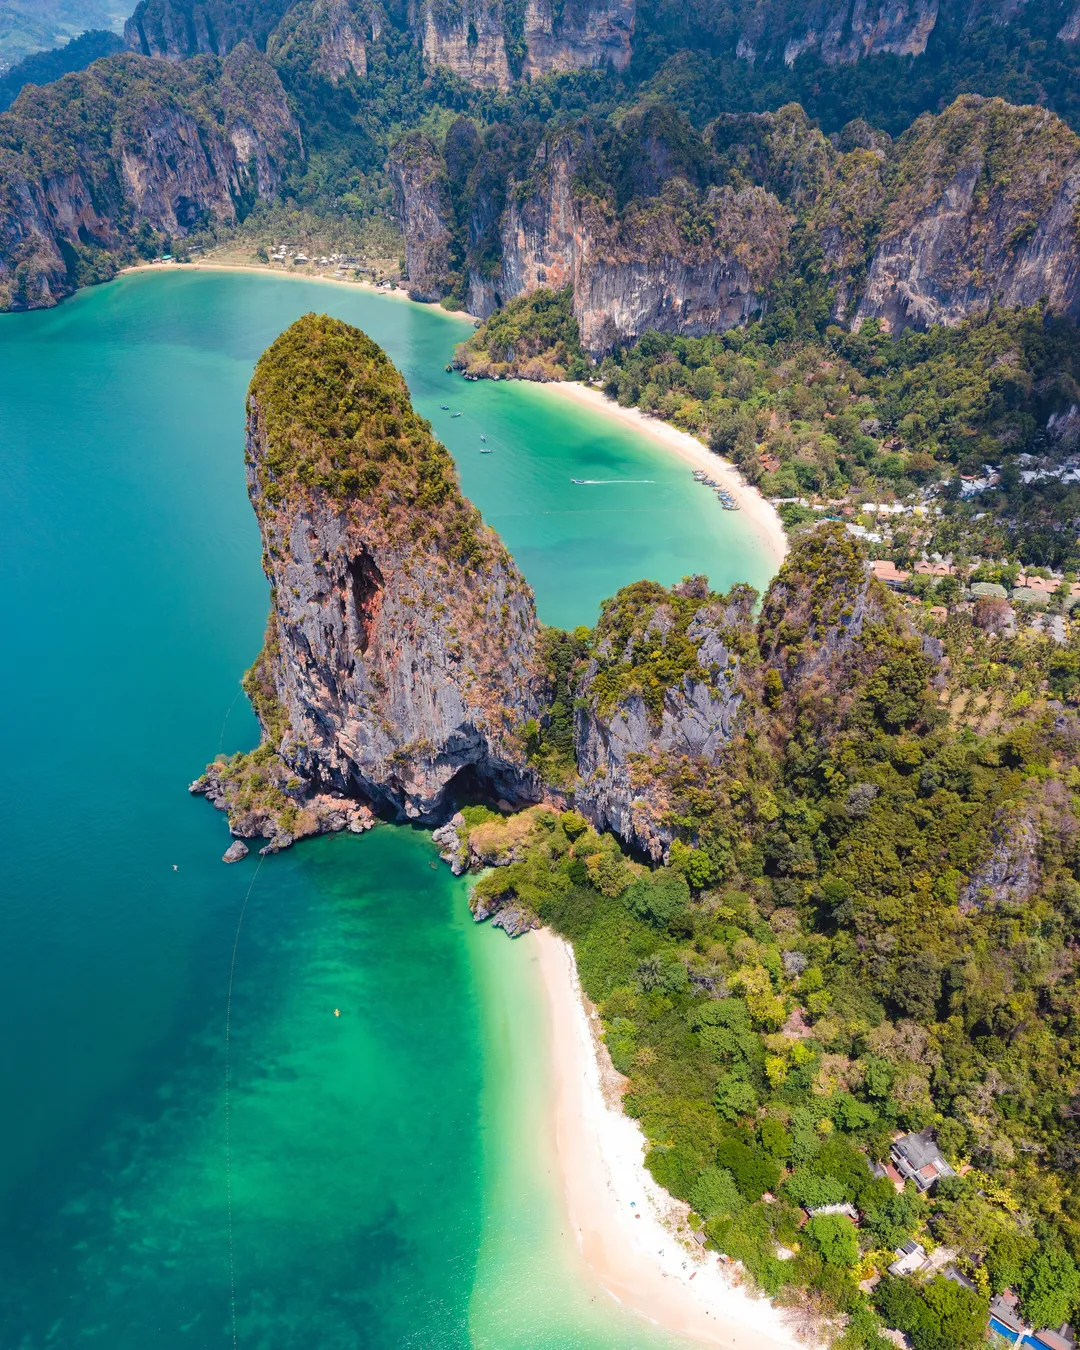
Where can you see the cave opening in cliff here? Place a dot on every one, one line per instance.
(367, 588)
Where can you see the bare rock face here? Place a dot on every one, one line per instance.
(403, 648)
(683, 261)
(470, 38)
(185, 143)
(840, 31)
(985, 211)
(627, 746)
(579, 35)
(486, 43)
(422, 203)
(678, 264)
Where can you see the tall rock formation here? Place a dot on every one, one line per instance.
(661, 696)
(422, 202)
(401, 659)
(87, 161)
(336, 32)
(981, 207)
(581, 34)
(679, 263)
(177, 29)
(470, 39)
(490, 43)
(684, 261)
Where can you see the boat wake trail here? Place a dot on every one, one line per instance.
(228, 1136)
(606, 482)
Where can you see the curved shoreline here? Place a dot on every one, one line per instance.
(760, 514)
(397, 294)
(624, 1224)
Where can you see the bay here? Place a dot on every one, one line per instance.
(385, 1177)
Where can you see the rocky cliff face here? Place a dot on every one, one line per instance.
(177, 29)
(86, 161)
(579, 35)
(469, 38)
(841, 31)
(631, 737)
(402, 655)
(422, 203)
(488, 44)
(684, 261)
(982, 207)
(337, 31)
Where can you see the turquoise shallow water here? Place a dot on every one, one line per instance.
(382, 1187)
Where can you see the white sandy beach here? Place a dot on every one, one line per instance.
(397, 294)
(624, 1223)
(760, 514)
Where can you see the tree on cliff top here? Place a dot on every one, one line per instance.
(335, 418)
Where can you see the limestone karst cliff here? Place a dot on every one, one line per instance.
(661, 692)
(177, 29)
(405, 671)
(330, 34)
(401, 659)
(490, 43)
(132, 144)
(981, 207)
(684, 258)
(421, 190)
(653, 224)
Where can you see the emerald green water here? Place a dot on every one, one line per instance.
(387, 1180)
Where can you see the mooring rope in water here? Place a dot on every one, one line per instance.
(228, 1138)
(232, 705)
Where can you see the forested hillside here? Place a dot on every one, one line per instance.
(866, 929)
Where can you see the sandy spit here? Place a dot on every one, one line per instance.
(760, 514)
(623, 1222)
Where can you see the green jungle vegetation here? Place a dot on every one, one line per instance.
(533, 337)
(335, 417)
(868, 926)
(44, 67)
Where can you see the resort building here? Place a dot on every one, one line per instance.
(918, 1159)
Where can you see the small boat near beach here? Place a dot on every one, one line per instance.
(579, 481)
(457, 414)
(485, 450)
(483, 438)
(445, 407)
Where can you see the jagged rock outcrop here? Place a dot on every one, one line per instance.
(982, 209)
(469, 38)
(489, 44)
(578, 35)
(177, 29)
(337, 31)
(847, 31)
(402, 654)
(684, 261)
(422, 203)
(630, 734)
(680, 263)
(86, 162)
